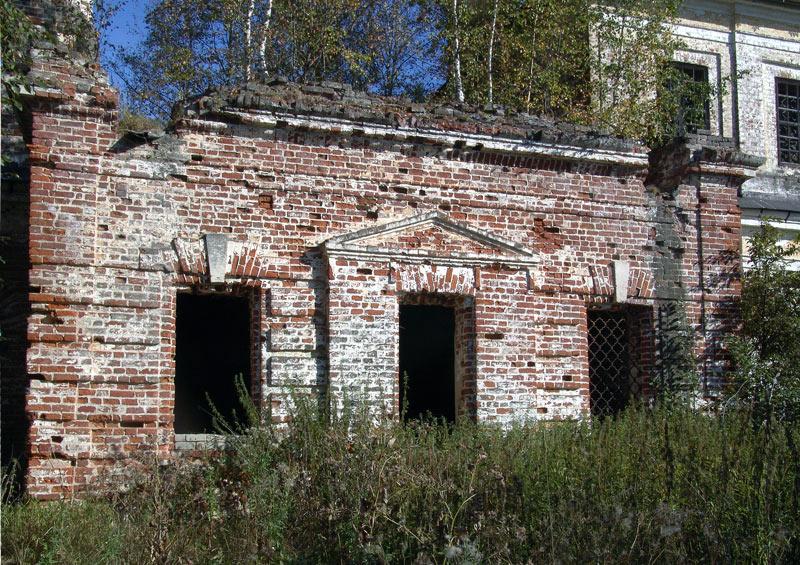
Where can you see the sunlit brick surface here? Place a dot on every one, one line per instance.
(520, 237)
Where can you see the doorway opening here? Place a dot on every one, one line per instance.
(427, 361)
(212, 347)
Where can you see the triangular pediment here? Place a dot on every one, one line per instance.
(430, 236)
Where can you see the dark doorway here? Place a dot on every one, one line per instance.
(427, 361)
(609, 363)
(212, 347)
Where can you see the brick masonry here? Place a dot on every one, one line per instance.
(332, 209)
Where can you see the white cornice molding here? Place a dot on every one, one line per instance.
(466, 141)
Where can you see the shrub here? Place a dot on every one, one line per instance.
(767, 354)
(668, 486)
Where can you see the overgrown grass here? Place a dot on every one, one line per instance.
(647, 486)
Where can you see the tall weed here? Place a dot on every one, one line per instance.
(669, 486)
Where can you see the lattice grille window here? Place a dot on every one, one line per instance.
(611, 379)
(788, 120)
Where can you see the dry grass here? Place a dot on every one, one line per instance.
(647, 486)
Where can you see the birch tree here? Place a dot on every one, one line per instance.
(568, 59)
(386, 46)
(403, 48)
(491, 50)
(193, 45)
(265, 31)
(457, 53)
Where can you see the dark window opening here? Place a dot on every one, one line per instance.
(427, 361)
(212, 348)
(610, 385)
(788, 120)
(692, 85)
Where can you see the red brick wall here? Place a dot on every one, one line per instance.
(116, 231)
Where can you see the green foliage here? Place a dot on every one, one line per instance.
(576, 60)
(632, 48)
(537, 66)
(646, 486)
(767, 355)
(64, 23)
(192, 45)
(133, 121)
(62, 532)
(17, 35)
(569, 59)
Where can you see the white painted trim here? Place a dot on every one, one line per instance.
(785, 226)
(790, 264)
(199, 442)
(470, 140)
(688, 31)
(454, 260)
(509, 252)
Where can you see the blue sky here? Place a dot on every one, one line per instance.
(127, 27)
(128, 23)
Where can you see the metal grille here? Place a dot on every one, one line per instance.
(788, 120)
(610, 382)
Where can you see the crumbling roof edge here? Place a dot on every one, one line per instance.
(437, 136)
(338, 108)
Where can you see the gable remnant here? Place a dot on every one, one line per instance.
(429, 237)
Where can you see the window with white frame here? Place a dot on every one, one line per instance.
(694, 109)
(787, 103)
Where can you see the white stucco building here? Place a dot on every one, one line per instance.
(758, 42)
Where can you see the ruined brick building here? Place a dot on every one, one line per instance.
(325, 242)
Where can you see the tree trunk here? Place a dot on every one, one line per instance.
(459, 83)
(491, 52)
(262, 51)
(248, 36)
(530, 84)
(533, 59)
